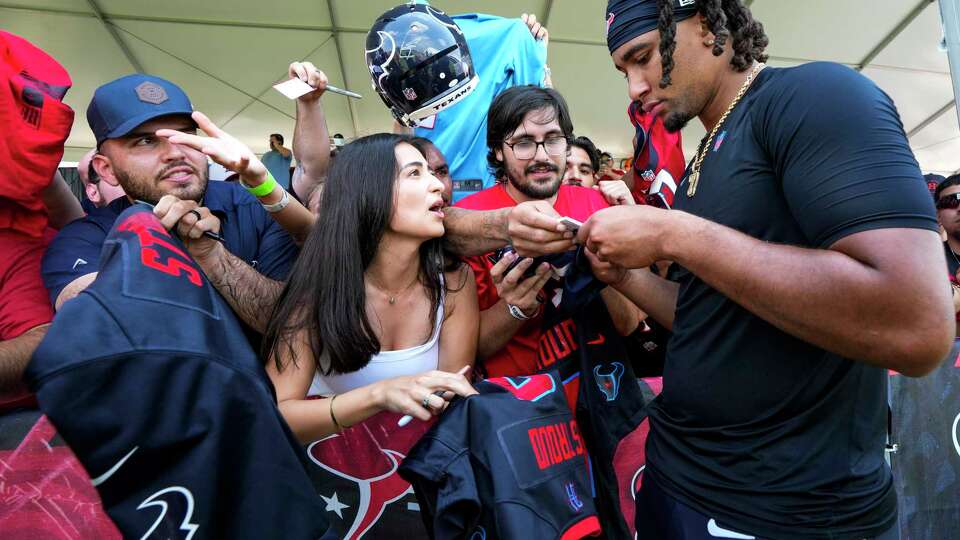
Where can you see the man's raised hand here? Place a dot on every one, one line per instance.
(308, 73)
(222, 148)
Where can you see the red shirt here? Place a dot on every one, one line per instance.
(519, 355)
(24, 303)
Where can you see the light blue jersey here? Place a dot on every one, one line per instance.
(504, 55)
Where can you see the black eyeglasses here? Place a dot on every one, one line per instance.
(526, 149)
(949, 202)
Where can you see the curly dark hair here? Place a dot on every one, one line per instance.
(725, 18)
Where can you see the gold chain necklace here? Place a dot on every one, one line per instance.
(694, 177)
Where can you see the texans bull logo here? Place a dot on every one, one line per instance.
(356, 477)
(609, 383)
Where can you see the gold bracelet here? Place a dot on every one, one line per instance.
(333, 416)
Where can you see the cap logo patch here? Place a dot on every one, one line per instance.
(150, 92)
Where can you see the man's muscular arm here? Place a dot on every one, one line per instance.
(250, 294)
(651, 294)
(311, 143)
(876, 295)
(533, 228)
(15, 354)
(471, 233)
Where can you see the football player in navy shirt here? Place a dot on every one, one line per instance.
(808, 265)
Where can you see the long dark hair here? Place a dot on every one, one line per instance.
(725, 18)
(324, 295)
(507, 112)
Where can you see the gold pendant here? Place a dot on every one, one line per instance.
(692, 183)
(392, 300)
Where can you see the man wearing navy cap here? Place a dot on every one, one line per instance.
(125, 116)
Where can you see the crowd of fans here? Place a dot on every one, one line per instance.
(372, 290)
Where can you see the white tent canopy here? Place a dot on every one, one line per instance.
(227, 55)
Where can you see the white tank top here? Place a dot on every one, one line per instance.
(385, 365)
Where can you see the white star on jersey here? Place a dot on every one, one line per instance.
(334, 504)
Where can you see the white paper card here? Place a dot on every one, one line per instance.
(293, 88)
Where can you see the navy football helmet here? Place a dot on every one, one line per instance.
(419, 62)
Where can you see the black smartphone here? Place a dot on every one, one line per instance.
(495, 256)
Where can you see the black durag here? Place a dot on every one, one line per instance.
(627, 19)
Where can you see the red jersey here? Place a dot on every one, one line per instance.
(519, 355)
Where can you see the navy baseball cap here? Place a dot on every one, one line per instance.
(123, 104)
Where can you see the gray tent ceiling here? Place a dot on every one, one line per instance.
(227, 55)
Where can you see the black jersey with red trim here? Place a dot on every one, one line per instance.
(147, 375)
(506, 463)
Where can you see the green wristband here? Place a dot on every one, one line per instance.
(263, 189)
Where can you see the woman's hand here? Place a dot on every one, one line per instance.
(423, 395)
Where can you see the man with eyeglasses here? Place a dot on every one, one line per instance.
(528, 129)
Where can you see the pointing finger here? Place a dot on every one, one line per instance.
(207, 125)
(176, 137)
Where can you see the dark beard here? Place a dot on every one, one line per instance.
(147, 191)
(675, 121)
(537, 191)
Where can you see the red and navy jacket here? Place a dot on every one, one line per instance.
(506, 463)
(148, 378)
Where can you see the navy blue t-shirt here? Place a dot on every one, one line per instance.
(249, 232)
(757, 428)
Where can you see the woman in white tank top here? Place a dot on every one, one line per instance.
(370, 319)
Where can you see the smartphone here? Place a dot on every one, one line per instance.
(495, 257)
(571, 224)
